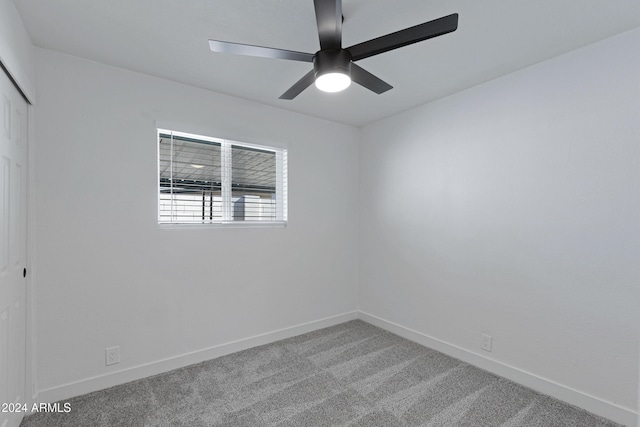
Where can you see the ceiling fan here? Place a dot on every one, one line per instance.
(333, 66)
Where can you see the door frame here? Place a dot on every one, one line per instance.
(30, 387)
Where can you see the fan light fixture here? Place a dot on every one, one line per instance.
(333, 82)
(332, 69)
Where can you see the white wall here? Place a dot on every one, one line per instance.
(16, 50)
(107, 275)
(512, 209)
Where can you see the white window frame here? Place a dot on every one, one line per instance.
(281, 194)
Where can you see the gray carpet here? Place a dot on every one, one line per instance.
(352, 374)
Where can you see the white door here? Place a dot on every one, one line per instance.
(13, 249)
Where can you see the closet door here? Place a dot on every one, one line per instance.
(13, 250)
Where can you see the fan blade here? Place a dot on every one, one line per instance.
(435, 28)
(264, 52)
(368, 80)
(329, 18)
(299, 86)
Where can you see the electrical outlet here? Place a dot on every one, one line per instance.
(486, 342)
(113, 355)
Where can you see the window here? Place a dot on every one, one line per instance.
(204, 180)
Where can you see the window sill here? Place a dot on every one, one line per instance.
(230, 224)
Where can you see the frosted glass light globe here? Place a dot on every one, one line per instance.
(333, 82)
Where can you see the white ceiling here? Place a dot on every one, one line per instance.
(168, 38)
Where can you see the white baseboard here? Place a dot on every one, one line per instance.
(577, 398)
(88, 385)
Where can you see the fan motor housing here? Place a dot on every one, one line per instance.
(332, 61)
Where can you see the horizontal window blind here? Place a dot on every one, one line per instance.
(210, 180)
